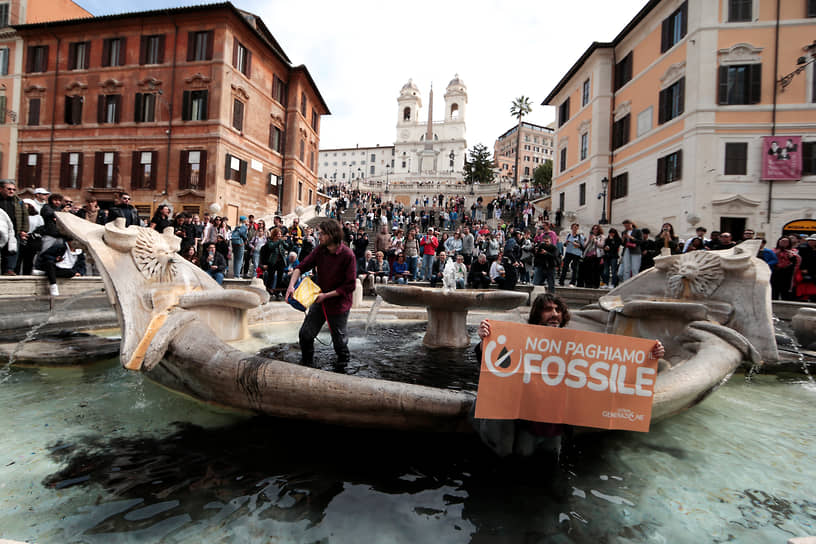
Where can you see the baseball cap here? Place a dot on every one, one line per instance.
(41, 191)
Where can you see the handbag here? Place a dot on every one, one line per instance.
(304, 295)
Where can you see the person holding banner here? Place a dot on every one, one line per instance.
(335, 263)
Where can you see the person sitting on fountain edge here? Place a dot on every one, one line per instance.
(438, 269)
(337, 280)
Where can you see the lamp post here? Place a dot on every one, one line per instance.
(604, 184)
(452, 155)
(387, 169)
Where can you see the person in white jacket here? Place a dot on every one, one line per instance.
(7, 238)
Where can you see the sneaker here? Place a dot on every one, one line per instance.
(54, 289)
(10, 273)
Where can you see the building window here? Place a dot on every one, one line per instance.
(241, 58)
(37, 59)
(3, 111)
(563, 112)
(303, 104)
(740, 84)
(29, 170)
(279, 90)
(563, 161)
(4, 15)
(4, 61)
(371, 170)
(808, 158)
(584, 145)
(237, 115)
(193, 169)
(275, 139)
(674, 28)
(373, 158)
(672, 100)
(670, 168)
(620, 186)
(79, 55)
(194, 105)
(143, 170)
(736, 158)
(199, 45)
(623, 71)
(275, 181)
(73, 110)
(585, 94)
(106, 169)
(315, 118)
(144, 110)
(620, 131)
(109, 108)
(151, 50)
(300, 191)
(740, 10)
(302, 151)
(113, 52)
(236, 169)
(71, 170)
(811, 8)
(34, 112)
(582, 194)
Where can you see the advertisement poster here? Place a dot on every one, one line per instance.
(782, 157)
(556, 375)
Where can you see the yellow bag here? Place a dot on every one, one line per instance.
(305, 293)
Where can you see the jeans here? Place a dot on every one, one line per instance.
(413, 263)
(217, 276)
(9, 260)
(400, 280)
(311, 327)
(631, 263)
(610, 271)
(427, 266)
(570, 259)
(547, 274)
(237, 259)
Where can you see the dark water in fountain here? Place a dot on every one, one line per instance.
(100, 455)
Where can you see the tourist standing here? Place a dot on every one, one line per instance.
(428, 244)
(17, 211)
(632, 239)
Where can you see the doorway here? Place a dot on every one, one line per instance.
(734, 225)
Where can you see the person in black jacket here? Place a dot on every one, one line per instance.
(213, 263)
(479, 276)
(124, 209)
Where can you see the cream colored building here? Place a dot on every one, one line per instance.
(536, 147)
(674, 110)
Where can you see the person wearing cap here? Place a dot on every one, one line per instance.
(40, 198)
(428, 245)
(238, 239)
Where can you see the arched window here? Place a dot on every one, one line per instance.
(406, 114)
(454, 112)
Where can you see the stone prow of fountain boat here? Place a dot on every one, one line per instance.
(176, 322)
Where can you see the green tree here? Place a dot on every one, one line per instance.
(542, 176)
(479, 165)
(520, 107)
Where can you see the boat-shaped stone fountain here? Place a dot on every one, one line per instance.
(712, 312)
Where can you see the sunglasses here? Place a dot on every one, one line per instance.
(125, 198)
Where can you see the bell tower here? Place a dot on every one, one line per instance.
(408, 105)
(455, 101)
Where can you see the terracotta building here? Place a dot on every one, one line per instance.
(197, 107)
(536, 147)
(16, 12)
(676, 113)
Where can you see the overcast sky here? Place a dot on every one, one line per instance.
(362, 52)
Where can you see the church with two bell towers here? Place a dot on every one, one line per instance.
(425, 149)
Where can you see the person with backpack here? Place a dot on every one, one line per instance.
(573, 252)
(238, 239)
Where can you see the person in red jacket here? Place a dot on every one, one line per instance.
(428, 245)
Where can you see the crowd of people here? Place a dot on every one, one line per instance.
(501, 243)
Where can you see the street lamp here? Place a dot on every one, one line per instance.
(452, 155)
(387, 168)
(802, 63)
(604, 184)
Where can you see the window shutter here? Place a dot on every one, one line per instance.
(205, 105)
(191, 46)
(154, 168)
(227, 170)
(87, 55)
(20, 167)
(185, 106)
(117, 107)
(135, 171)
(723, 93)
(116, 179)
(34, 112)
(143, 49)
(45, 59)
(122, 50)
(210, 39)
(684, 19)
(72, 56)
(681, 90)
(69, 108)
(235, 52)
(161, 50)
(76, 110)
(137, 108)
(271, 141)
(661, 170)
(38, 170)
(106, 46)
(755, 91)
(30, 61)
(79, 170)
(99, 169)
(249, 64)
(64, 181)
(6, 62)
(665, 34)
(679, 173)
(202, 170)
(661, 107)
(243, 172)
(184, 176)
(100, 109)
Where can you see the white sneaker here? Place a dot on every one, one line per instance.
(54, 288)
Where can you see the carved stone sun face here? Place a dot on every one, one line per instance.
(694, 275)
(154, 256)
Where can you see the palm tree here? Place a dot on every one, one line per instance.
(521, 106)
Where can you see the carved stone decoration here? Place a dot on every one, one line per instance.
(154, 256)
(623, 109)
(584, 126)
(673, 74)
(695, 275)
(149, 83)
(197, 80)
(34, 90)
(239, 91)
(76, 87)
(740, 53)
(111, 85)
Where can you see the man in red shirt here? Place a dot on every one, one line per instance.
(428, 244)
(336, 270)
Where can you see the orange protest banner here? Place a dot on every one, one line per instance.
(556, 375)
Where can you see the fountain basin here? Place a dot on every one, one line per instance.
(448, 309)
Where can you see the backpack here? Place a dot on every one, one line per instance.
(238, 235)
